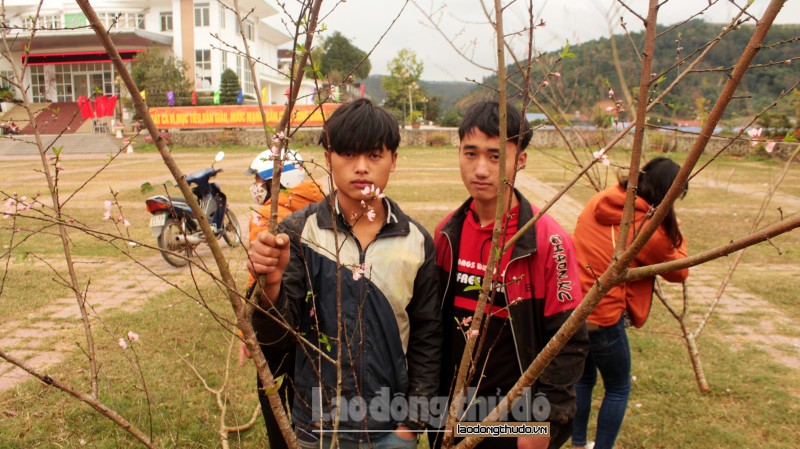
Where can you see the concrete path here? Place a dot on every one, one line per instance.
(25, 145)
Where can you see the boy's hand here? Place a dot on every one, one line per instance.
(269, 256)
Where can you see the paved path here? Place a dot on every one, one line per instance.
(23, 145)
(39, 339)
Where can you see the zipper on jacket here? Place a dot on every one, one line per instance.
(513, 335)
(449, 272)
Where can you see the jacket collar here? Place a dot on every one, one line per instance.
(396, 224)
(525, 246)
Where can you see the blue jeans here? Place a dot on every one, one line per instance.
(389, 441)
(610, 353)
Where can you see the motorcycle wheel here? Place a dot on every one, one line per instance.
(169, 243)
(232, 234)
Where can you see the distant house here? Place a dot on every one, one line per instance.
(67, 61)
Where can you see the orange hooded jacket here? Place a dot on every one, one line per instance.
(595, 237)
(289, 201)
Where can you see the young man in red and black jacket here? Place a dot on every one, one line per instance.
(536, 287)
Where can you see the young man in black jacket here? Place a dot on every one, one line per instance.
(358, 244)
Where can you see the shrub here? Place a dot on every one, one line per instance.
(438, 139)
(229, 87)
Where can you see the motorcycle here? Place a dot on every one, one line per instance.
(176, 226)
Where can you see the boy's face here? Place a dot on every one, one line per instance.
(479, 160)
(353, 173)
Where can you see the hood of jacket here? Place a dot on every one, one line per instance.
(608, 210)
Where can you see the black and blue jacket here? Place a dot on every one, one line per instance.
(392, 331)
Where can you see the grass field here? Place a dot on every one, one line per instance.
(753, 403)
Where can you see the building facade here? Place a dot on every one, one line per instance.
(66, 60)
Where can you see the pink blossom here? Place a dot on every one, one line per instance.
(276, 152)
(378, 193)
(598, 154)
(122, 344)
(473, 333)
(605, 161)
(363, 204)
(754, 132)
(557, 74)
(466, 321)
(365, 190)
(545, 83)
(770, 146)
(359, 271)
(133, 336)
(10, 203)
(23, 199)
(371, 214)
(311, 313)
(610, 109)
(6, 215)
(126, 223)
(610, 93)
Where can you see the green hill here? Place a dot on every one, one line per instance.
(586, 78)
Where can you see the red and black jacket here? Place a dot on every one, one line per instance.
(544, 260)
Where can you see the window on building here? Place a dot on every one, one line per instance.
(6, 77)
(75, 20)
(38, 88)
(202, 13)
(222, 16)
(249, 30)
(45, 22)
(245, 76)
(202, 69)
(166, 21)
(64, 83)
(126, 20)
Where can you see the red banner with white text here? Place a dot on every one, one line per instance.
(245, 116)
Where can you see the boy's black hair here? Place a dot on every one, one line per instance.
(485, 116)
(360, 127)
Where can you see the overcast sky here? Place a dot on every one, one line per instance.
(364, 21)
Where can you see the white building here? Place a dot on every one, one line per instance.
(66, 60)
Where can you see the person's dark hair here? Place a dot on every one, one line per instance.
(485, 116)
(360, 127)
(655, 179)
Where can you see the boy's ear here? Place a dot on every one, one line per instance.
(394, 162)
(328, 159)
(521, 160)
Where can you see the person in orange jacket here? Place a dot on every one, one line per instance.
(295, 194)
(595, 238)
